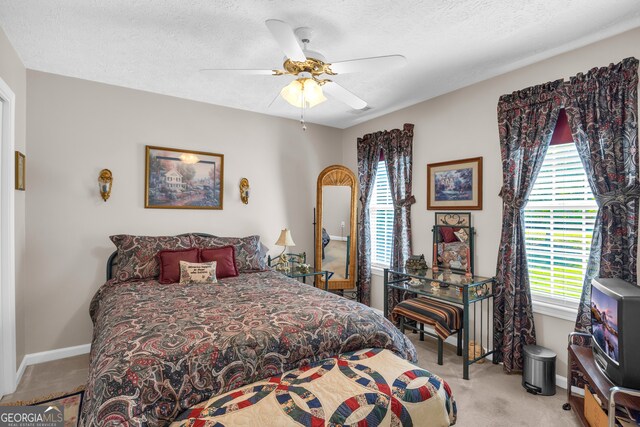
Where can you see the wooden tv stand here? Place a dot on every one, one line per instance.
(607, 392)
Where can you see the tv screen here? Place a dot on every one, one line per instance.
(604, 322)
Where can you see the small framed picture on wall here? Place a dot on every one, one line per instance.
(21, 161)
(455, 185)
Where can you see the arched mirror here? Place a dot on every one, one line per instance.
(336, 227)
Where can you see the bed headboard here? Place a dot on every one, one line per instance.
(112, 258)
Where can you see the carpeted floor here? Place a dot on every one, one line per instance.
(489, 398)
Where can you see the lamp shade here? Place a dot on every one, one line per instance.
(285, 238)
(303, 91)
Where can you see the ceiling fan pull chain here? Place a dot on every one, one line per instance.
(304, 126)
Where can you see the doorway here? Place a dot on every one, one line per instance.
(7, 241)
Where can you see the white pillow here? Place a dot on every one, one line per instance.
(191, 272)
(461, 235)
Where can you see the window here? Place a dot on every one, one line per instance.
(559, 220)
(381, 219)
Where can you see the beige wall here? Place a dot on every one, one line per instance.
(14, 74)
(463, 124)
(78, 127)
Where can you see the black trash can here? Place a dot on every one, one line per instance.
(539, 370)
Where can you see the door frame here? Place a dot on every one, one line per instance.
(7, 242)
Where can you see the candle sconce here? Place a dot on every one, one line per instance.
(244, 190)
(105, 182)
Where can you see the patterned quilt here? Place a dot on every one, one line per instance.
(160, 349)
(371, 387)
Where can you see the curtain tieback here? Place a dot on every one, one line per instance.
(406, 202)
(509, 200)
(619, 197)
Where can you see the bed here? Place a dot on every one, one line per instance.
(160, 350)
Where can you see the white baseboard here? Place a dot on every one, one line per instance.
(48, 356)
(562, 383)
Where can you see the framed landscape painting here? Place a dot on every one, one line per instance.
(455, 185)
(183, 179)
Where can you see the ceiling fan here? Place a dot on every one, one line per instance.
(309, 66)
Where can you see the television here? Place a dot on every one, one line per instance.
(615, 323)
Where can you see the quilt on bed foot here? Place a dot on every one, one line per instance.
(365, 388)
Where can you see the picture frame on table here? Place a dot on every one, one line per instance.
(20, 166)
(455, 185)
(183, 179)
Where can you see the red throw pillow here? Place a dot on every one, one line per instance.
(447, 234)
(170, 264)
(225, 257)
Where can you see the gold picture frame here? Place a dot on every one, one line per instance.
(21, 165)
(455, 185)
(183, 179)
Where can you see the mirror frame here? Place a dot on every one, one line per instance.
(341, 176)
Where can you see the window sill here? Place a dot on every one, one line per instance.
(555, 310)
(378, 270)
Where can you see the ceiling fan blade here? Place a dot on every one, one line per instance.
(286, 39)
(273, 100)
(341, 94)
(384, 63)
(250, 72)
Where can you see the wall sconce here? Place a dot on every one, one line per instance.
(105, 181)
(244, 190)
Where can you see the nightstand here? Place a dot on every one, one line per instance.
(292, 268)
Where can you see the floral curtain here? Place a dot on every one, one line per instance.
(602, 108)
(369, 147)
(397, 147)
(526, 120)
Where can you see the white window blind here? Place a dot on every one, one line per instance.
(381, 219)
(559, 220)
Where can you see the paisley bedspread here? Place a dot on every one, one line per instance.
(371, 387)
(160, 349)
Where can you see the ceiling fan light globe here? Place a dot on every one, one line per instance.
(292, 93)
(303, 91)
(313, 93)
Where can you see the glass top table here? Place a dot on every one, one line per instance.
(468, 291)
(449, 287)
(296, 272)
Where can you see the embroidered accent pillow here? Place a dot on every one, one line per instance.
(204, 273)
(247, 252)
(461, 235)
(138, 255)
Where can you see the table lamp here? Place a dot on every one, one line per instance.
(285, 240)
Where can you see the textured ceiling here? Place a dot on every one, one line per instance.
(159, 45)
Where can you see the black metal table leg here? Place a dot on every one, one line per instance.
(465, 350)
(385, 294)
